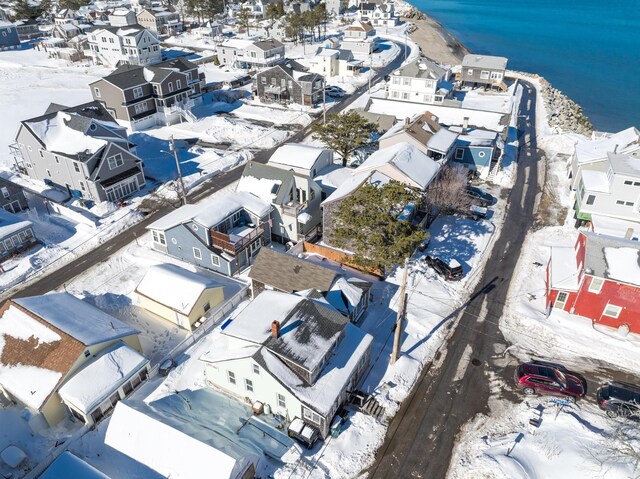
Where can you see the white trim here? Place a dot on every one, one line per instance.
(617, 309)
(599, 282)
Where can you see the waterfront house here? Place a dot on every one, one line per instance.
(421, 81)
(476, 148)
(335, 62)
(290, 82)
(143, 97)
(598, 279)
(483, 71)
(77, 360)
(222, 234)
(295, 354)
(178, 295)
(81, 150)
(359, 37)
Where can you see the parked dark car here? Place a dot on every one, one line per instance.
(620, 399)
(448, 268)
(166, 366)
(479, 197)
(541, 377)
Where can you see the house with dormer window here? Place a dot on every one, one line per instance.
(598, 278)
(420, 81)
(81, 150)
(296, 354)
(131, 44)
(222, 234)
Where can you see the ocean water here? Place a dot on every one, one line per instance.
(589, 49)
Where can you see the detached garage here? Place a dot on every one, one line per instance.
(178, 295)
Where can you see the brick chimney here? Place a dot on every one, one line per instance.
(275, 329)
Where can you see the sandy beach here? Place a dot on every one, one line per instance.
(436, 42)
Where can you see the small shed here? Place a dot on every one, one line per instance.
(178, 295)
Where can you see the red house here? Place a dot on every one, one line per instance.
(599, 279)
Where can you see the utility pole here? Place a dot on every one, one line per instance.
(405, 45)
(370, 70)
(324, 103)
(183, 191)
(400, 317)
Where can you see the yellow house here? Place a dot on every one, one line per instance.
(178, 295)
(45, 341)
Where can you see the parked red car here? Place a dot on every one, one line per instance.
(553, 379)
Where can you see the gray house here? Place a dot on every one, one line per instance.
(143, 97)
(483, 70)
(80, 149)
(295, 198)
(8, 36)
(222, 234)
(12, 197)
(16, 234)
(289, 83)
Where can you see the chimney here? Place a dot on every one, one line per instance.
(407, 120)
(615, 149)
(629, 234)
(465, 125)
(275, 329)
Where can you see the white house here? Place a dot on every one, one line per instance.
(359, 37)
(378, 13)
(302, 159)
(132, 45)
(240, 53)
(170, 452)
(335, 62)
(122, 17)
(421, 81)
(298, 356)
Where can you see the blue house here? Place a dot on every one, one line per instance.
(477, 149)
(16, 234)
(223, 234)
(8, 36)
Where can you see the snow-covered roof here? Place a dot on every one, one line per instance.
(5, 24)
(335, 375)
(352, 183)
(10, 224)
(174, 287)
(416, 168)
(265, 188)
(209, 213)
(75, 317)
(614, 226)
(68, 465)
(28, 378)
(333, 176)
(344, 295)
(100, 378)
(564, 270)
(296, 156)
(484, 61)
(595, 180)
(475, 137)
(236, 43)
(625, 141)
(625, 164)
(442, 140)
(166, 450)
(224, 349)
(58, 136)
(617, 259)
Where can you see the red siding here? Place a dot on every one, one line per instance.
(592, 305)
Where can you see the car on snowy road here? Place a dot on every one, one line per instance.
(541, 377)
(620, 399)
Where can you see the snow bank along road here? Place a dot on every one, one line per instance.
(422, 435)
(52, 281)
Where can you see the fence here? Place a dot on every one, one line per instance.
(339, 257)
(207, 325)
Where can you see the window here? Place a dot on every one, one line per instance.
(394, 94)
(82, 187)
(596, 285)
(256, 369)
(87, 353)
(41, 153)
(231, 376)
(49, 173)
(137, 92)
(459, 153)
(612, 310)
(561, 300)
(207, 306)
(5, 192)
(158, 237)
(115, 161)
(178, 84)
(156, 90)
(481, 154)
(627, 182)
(406, 81)
(255, 246)
(282, 401)
(197, 254)
(470, 71)
(76, 167)
(311, 416)
(248, 385)
(263, 80)
(405, 96)
(395, 80)
(215, 260)
(484, 75)
(591, 199)
(140, 108)
(96, 92)
(170, 87)
(496, 75)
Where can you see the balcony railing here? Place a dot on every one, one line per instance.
(293, 209)
(234, 243)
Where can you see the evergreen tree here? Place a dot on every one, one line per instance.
(243, 17)
(367, 223)
(344, 133)
(73, 4)
(272, 12)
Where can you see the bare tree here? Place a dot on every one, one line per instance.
(622, 445)
(447, 193)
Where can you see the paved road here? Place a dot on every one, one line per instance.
(422, 435)
(56, 278)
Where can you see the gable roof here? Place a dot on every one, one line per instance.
(625, 141)
(421, 68)
(75, 317)
(624, 164)
(421, 128)
(296, 155)
(174, 287)
(69, 465)
(288, 273)
(268, 44)
(266, 182)
(616, 259)
(360, 26)
(10, 223)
